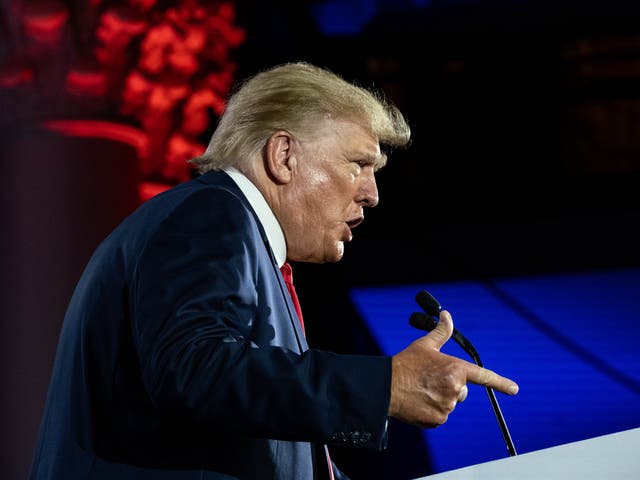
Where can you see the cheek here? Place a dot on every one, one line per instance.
(319, 191)
(318, 180)
(326, 192)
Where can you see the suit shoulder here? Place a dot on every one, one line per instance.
(196, 207)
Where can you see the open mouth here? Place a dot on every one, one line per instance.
(355, 222)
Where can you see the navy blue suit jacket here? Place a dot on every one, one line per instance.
(181, 357)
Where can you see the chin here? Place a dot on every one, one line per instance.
(339, 252)
(332, 255)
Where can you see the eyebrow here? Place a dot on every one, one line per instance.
(378, 161)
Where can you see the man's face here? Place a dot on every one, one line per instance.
(333, 182)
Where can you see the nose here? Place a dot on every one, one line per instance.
(368, 192)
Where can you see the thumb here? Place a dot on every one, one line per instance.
(437, 337)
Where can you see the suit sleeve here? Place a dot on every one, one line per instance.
(194, 303)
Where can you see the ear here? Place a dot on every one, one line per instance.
(280, 158)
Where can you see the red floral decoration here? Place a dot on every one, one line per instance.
(155, 74)
(180, 79)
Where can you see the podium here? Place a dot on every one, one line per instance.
(612, 457)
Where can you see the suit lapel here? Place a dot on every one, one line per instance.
(223, 180)
(293, 317)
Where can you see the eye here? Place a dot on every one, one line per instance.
(363, 164)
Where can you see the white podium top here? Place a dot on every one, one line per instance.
(610, 457)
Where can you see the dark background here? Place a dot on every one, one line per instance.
(524, 160)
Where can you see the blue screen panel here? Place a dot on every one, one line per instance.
(570, 341)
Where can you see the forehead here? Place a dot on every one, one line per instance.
(354, 140)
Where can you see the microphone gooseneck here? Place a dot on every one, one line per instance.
(427, 321)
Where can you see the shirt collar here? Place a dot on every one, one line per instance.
(269, 222)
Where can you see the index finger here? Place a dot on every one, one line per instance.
(489, 378)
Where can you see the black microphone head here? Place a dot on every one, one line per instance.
(428, 303)
(422, 321)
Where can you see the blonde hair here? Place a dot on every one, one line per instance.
(295, 97)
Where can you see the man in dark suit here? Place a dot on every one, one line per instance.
(182, 354)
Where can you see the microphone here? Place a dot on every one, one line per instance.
(432, 307)
(427, 321)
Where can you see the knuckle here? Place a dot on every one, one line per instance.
(441, 419)
(487, 376)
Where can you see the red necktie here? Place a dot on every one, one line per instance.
(287, 274)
